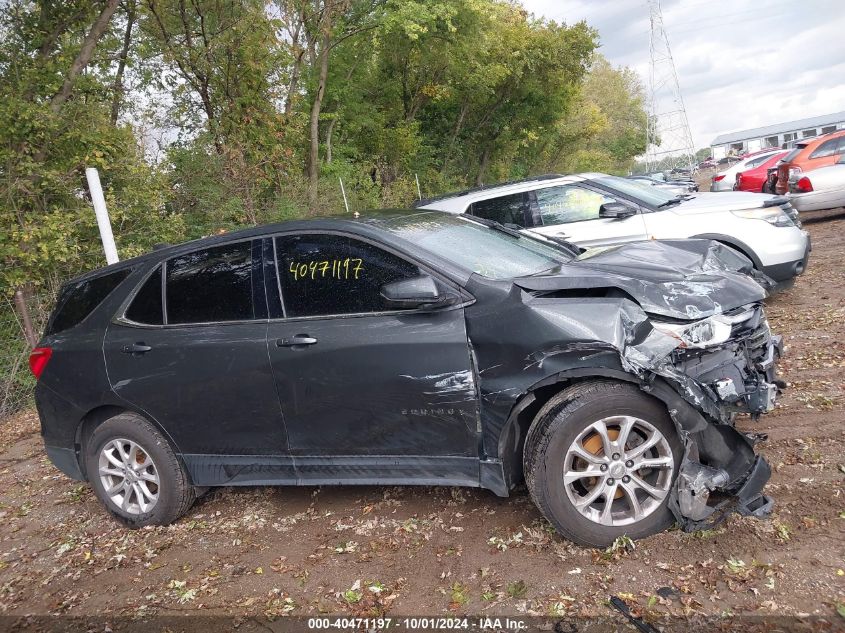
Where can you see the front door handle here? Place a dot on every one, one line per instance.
(299, 339)
(136, 348)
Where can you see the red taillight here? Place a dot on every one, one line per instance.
(38, 359)
(804, 185)
(718, 178)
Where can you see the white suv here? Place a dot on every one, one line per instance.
(599, 210)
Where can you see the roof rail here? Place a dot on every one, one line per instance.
(455, 194)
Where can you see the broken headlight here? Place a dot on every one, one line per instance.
(699, 334)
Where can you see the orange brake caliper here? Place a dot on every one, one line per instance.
(594, 445)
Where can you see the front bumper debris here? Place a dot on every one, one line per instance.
(723, 474)
(720, 472)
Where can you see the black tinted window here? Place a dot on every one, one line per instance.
(146, 307)
(504, 210)
(332, 274)
(78, 301)
(211, 285)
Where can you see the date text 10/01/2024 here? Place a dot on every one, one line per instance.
(417, 623)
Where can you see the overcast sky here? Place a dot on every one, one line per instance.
(741, 64)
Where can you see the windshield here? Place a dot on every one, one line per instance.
(476, 247)
(646, 194)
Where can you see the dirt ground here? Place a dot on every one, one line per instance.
(265, 553)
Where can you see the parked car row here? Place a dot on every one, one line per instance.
(726, 180)
(806, 156)
(596, 209)
(811, 173)
(554, 330)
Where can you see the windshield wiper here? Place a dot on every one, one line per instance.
(569, 247)
(498, 226)
(671, 201)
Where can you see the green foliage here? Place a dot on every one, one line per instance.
(455, 92)
(48, 226)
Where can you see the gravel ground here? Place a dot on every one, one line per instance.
(266, 553)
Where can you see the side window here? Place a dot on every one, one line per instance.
(568, 203)
(323, 275)
(77, 302)
(841, 148)
(504, 210)
(146, 307)
(211, 285)
(828, 148)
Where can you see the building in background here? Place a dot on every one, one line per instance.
(781, 135)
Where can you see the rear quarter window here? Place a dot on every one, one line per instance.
(828, 148)
(77, 301)
(147, 306)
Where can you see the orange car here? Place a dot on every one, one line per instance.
(813, 153)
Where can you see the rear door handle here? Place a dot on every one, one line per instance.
(136, 348)
(299, 339)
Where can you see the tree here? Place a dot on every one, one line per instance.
(606, 128)
(54, 121)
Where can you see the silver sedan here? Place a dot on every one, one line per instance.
(822, 188)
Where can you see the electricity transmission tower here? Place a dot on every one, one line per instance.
(669, 138)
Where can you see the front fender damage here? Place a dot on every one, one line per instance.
(720, 471)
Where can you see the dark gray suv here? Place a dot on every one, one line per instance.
(416, 347)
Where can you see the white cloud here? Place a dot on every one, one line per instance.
(740, 64)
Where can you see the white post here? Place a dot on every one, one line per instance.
(102, 214)
(343, 191)
(419, 193)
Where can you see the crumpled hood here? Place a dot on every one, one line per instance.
(680, 279)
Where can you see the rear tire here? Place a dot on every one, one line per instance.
(135, 472)
(565, 429)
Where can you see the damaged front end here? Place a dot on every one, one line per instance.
(700, 342)
(720, 471)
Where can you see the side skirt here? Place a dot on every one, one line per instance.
(366, 470)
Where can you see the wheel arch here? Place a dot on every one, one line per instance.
(100, 414)
(523, 413)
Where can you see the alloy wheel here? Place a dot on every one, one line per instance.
(129, 476)
(618, 470)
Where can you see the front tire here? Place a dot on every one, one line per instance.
(136, 474)
(600, 462)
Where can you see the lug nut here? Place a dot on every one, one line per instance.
(629, 463)
(603, 467)
(611, 481)
(616, 456)
(626, 479)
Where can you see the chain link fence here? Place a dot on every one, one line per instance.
(16, 381)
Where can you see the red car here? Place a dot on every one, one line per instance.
(754, 179)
